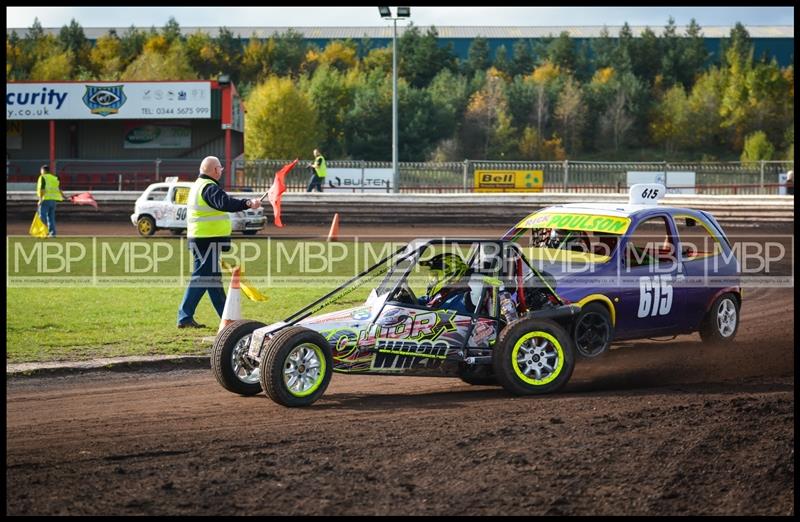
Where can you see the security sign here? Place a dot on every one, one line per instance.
(104, 100)
(509, 180)
(108, 100)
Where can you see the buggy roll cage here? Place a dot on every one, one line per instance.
(412, 250)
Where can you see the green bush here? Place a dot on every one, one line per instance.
(757, 147)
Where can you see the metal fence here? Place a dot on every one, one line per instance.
(559, 176)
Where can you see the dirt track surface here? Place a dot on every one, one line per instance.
(650, 428)
(660, 428)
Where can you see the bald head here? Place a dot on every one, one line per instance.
(209, 167)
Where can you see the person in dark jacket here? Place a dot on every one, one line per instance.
(209, 231)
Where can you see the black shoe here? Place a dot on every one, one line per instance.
(191, 324)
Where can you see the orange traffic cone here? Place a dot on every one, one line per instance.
(233, 303)
(333, 235)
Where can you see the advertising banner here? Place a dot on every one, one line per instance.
(357, 180)
(156, 135)
(676, 182)
(108, 100)
(509, 180)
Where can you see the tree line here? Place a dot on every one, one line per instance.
(624, 98)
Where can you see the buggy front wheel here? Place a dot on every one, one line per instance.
(296, 367)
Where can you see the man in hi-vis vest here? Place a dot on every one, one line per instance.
(209, 231)
(49, 193)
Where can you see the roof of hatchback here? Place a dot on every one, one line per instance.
(610, 209)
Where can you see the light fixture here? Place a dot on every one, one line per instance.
(385, 12)
(403, 12)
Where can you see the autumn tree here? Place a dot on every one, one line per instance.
(670, 124)
(281, 121)
(570, 110)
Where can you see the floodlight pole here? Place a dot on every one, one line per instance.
(395, 172)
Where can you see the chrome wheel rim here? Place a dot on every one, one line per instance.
(301, 370)
(726, 318)
(244, 367)
(537, 358)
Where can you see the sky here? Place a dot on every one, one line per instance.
(22, 17)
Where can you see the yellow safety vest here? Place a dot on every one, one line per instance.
(51, 190)
(204, 220)
(321, 169)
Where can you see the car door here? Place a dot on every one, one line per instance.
(702, 261)
(649, 269)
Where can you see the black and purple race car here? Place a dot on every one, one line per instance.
(638, 270)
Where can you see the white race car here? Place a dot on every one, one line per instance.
(163, 206)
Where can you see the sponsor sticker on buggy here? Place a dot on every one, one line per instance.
(568, 221)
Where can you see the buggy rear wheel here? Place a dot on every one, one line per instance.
(533, 356)
(236, 371)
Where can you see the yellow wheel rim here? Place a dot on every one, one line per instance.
(144, 227)
(537, 358)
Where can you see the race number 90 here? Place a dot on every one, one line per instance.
(655, 297)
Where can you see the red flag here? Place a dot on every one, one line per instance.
(84, 198)
(277, 189)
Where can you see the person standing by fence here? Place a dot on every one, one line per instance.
(48, 193)
(209, 234)
(320, 171)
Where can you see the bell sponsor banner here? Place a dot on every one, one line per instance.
(509, 180)
(358, 180)
(108, 100)
(676, 182)
(155, 135)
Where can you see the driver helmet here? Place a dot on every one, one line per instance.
(562, 238)
(446, 269)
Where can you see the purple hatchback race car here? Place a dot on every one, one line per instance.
(638, 270)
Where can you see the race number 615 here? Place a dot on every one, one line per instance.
(655, 297)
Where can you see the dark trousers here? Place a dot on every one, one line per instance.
(315, 181)
(47, 213)
(206, 277)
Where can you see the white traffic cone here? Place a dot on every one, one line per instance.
(233, 302)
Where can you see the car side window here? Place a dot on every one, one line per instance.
(158, 194)
(651, 244)
(697, 242)
(180, 195)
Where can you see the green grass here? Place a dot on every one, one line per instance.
(85, 309)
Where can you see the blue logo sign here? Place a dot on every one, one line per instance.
(104, 100)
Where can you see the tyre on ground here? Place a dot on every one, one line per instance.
(533, 356)
(236, 371)
(721, 323)
(296, 366)
(146, 226)
(592, 330)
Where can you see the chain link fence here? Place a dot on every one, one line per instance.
(762, 177)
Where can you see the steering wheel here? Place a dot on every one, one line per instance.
(404, 294)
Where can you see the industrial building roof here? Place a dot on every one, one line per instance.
(586, 31)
